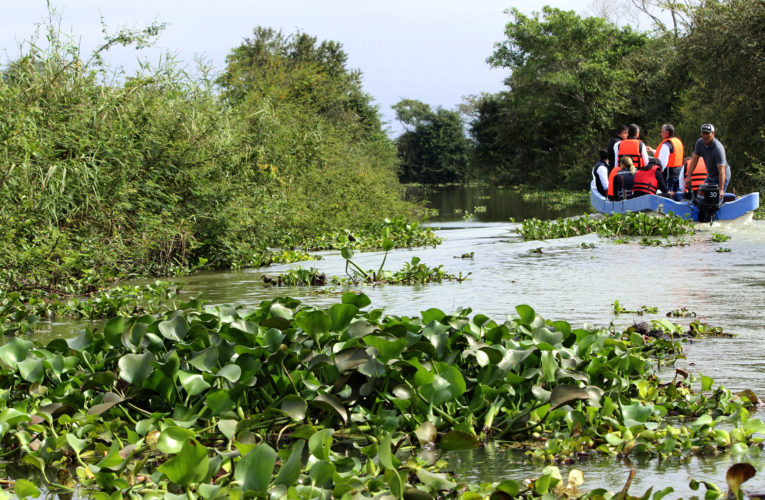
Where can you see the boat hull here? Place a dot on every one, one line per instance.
(729, 210)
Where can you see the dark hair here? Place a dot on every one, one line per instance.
(669, 128)
(603, 155)
(621, 129)
(633, 130)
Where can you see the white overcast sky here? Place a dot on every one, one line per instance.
(431, 50)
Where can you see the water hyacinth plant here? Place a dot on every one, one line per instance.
(609, 226)
(288, 399)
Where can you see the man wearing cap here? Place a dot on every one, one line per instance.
(713, 153)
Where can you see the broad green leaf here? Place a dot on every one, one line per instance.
(386, 349)
(25, 488)
(438, 482)
(635, 414)
(320, 443)
(230, 372)
(525, 313)
(350, 359)
(357, 299)
(255, 469)
(189, 466)
(205, 360)
(330, 403)
(564, 393)
(314, 323)
(546, 335)
(32, 369)
(135, 368)
(77, 444)
(706, 383)
(110, 399)
(294, 406)
(321, 472)
(15, 351)
(373, 369)
(172, 438)
(79, 343)
(549, 366)
(174, 329)
(426, 433)
(432, 314)
(192, 383)
(341, 315)
(290, 469)
(113, 331)
(219, 401)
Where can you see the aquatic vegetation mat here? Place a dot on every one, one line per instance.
(610, 226)
(290, 399)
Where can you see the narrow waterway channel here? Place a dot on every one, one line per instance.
(576, 280)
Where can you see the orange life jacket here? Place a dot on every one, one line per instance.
(611, 176)
(675, 159)
(699, 174)
(631, 148)
(645, 180)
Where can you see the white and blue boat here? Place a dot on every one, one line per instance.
(732, 208)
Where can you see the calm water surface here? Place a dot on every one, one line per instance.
(569, 282)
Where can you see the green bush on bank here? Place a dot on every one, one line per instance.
(153, 173)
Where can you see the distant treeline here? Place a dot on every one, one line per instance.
(105, 176)
(573, 80)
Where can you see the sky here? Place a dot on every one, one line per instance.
(431, 50)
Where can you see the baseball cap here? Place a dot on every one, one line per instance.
(708, 127)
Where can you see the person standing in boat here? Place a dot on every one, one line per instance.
(621, 134)
(600, 173)
(633, 147)
(624, 179)
(670, 154)
(713, 153)
(649, 179)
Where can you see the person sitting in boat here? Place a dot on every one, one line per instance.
(697, 179)
(713, 153)
(633, 147)
(649, 179)
(600, 173)
(624, 179)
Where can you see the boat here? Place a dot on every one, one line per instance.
(733, 207)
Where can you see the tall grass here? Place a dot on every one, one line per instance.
(103, 178)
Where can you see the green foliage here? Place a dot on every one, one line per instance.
(611, 226)
(434, 149)
(152, 173)
(570, 81)
(271, 398)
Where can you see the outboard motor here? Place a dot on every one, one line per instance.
(708, 201)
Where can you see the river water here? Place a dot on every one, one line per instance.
(566, 280)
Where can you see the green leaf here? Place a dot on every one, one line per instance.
(294, 406)
(172, 439)
(314, 323)
(192, 383)
(109, 400)
(320, 443)
(347, 253)
(564, 393)
(636, 414)
(526, 314)
(113, 331)
(79, 343)
(135, 368)
(255, 469)
(230, 372)
(438, 482)
(321, 472)
(189, 466)
(290, 470)
(32, 369)
(174, 329)
(205, 360)
(25, 488)
(356, 299)
(432, 314)
(15, 351)
(219, 402)
(446, 386)
(330, 403)
(706, 383)
(341, 315)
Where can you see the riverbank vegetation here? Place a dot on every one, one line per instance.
(289, 399)
(572, 80)
(105, 175)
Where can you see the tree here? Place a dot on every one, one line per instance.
(571, 81)
(434, 149)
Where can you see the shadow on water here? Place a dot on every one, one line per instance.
(565, 280)
(491, 204)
